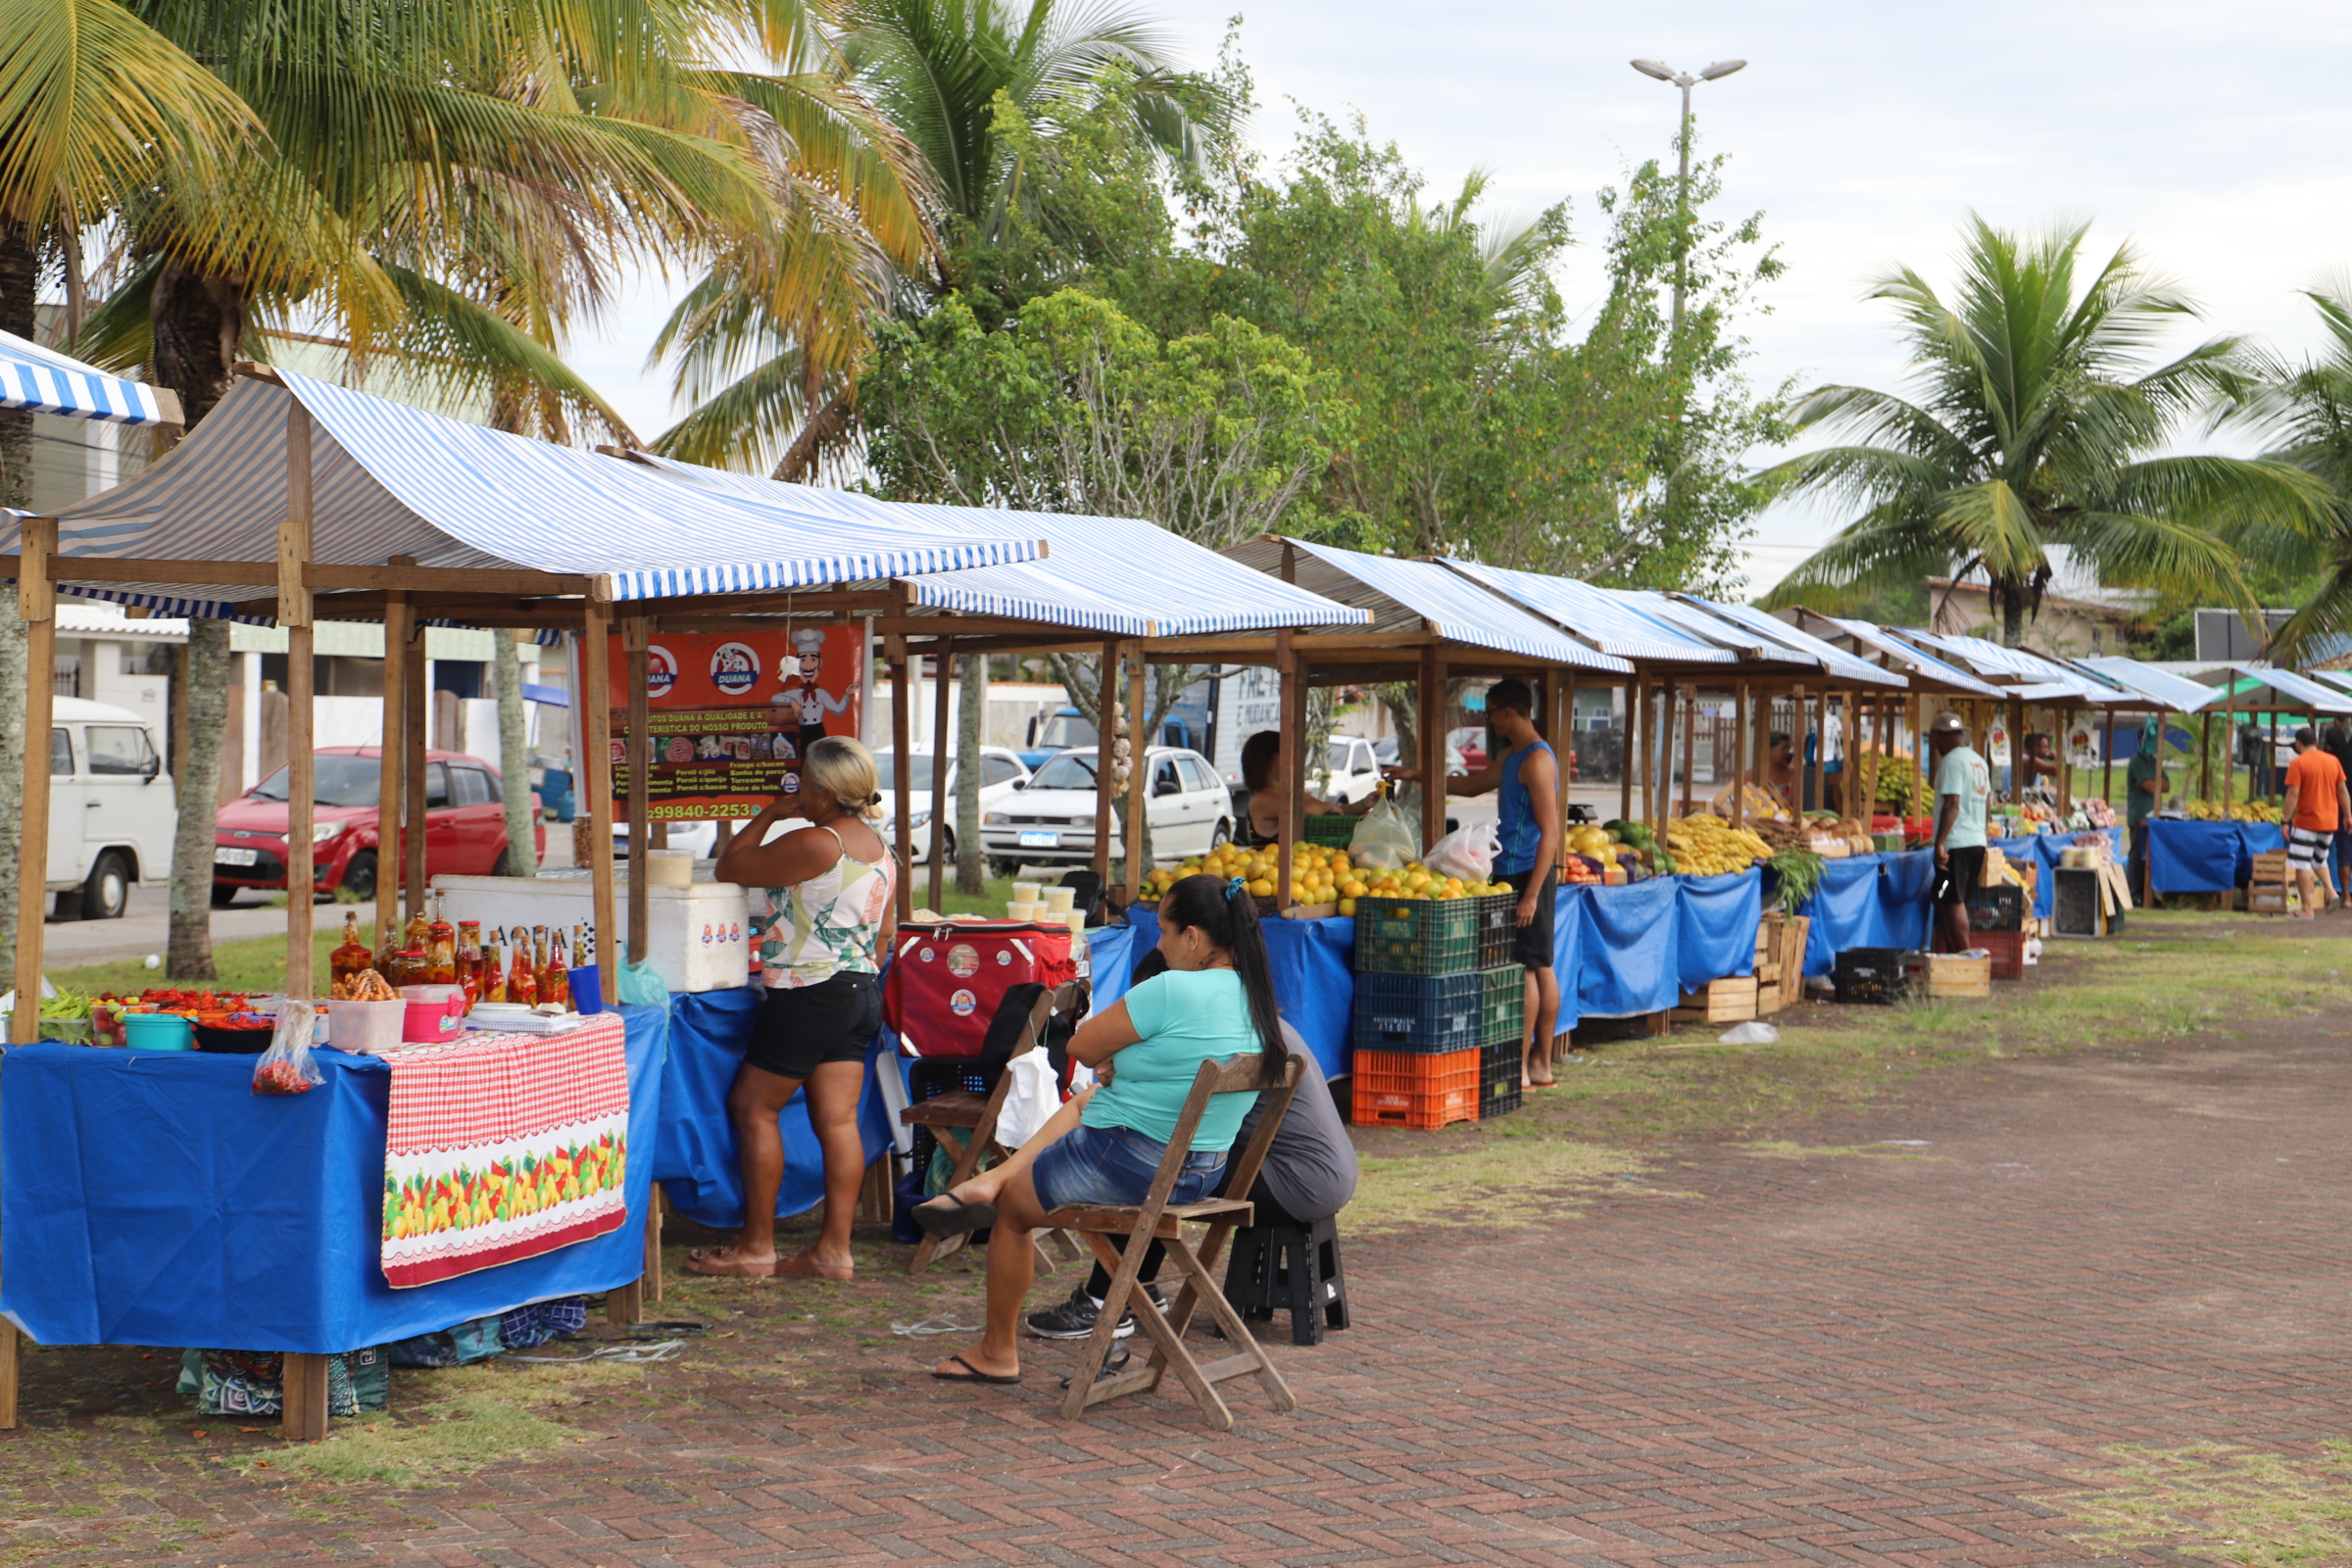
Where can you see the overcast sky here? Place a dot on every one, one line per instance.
(2211, 137)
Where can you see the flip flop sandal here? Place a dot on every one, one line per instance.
(953, 1217)
(972, 1374)
(801, 1267)
(728, 1266)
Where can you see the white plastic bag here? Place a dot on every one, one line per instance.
(1385, 840)
(1029, 1102)
(1753, 1033)
(288, 1068)
(1467, 852)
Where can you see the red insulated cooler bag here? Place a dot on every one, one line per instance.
(946, 979)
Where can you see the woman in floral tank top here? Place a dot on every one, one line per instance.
(831, 886)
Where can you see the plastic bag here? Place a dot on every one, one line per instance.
(1385, 840)
(287, 1066)
(1751, 1033)
(641, 985)
(1031, 1102)
(1467, 852)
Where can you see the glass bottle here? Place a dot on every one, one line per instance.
(539, 959)
(441, 949)
(555, 981)
(493, 970)
(352, 958)
(523, 981)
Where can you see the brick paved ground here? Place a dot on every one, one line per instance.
(1880, 1357)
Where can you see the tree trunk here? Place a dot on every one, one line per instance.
(513, 758)
(188, 950)
(199, 327)
(971, 863)
(19, 272)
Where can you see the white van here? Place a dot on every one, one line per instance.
(112, 810)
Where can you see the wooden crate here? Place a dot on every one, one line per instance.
(2268, 898)
(2271, 866)
(1770, 998)
(1767, 948)
(1956, 974)
(1727, 1001)
(1793, 931)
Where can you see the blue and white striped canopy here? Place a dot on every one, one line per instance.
(2300, 691)
(2174, 693)
(44, 381)
(1122, 576)
(1607, 620)
(1461, 611)
(1916, 661)
(391, 480)
(1800, 645)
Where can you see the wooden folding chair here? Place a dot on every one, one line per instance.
(974, 1117)
(1157, 1218)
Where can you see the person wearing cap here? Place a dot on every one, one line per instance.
(1963, 793)
(2317, 805)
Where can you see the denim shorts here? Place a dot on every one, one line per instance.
(1115, 1165)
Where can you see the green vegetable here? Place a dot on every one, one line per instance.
(1799, 871)
(66, 1004)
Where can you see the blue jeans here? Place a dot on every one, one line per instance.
(1115, 1165)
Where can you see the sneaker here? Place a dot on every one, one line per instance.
(1074, 1319)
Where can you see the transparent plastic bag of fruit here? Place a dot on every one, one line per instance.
(1385, 841)
(288, 1068)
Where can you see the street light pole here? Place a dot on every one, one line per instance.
(1682, 240)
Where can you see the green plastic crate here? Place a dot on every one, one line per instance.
(1503, 1006)
(1335, 831)
(1434, 936)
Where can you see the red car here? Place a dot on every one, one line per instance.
(465, 825)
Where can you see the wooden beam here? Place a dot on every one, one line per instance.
(415, 738)
(1689, 748)
(391, 770)
(596, 790)
(943, 677)
(401, 572)
(1433, 744)
(1106, 755)
(636, 662)
(1741, 718)
(1138, 777)
(1627, 746)
(2107, 779)
(901, 740)
(301, 1392)
(38, 603)
(1290, 767)
(302, 670)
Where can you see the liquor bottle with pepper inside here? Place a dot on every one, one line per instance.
(352, 960)
(523, 981)
(493, 970)
(440, 948)
(555, 981)
(469, 960)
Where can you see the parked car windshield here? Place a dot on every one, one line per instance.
(1071, 770)
(886, 767)
(1067, 729)
(339, 781)
(1343, 756)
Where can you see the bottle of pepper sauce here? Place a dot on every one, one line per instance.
(441, 949)
(352, 958)
(523, 981)
(555, 981)
(492, 969)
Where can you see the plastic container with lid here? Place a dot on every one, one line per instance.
(369, 1027)
(669, 868)
(434, 1014)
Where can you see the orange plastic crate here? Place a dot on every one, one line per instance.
(1419, 1089)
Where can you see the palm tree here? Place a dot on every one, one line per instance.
(2307, 413)
(2038, 424)
(770, 343)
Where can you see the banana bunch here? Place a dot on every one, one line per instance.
(1705, 845)
(2239, 812)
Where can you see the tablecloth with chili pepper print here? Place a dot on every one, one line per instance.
(503, 1147)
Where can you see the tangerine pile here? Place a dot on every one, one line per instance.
(1319, 874)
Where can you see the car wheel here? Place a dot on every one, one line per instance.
(106, 896)
(500, 869)
(1222, 836)
(1003, 868)
(947, 842)
(225, 893)
(359, 877)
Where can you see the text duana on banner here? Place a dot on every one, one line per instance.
(731, 715)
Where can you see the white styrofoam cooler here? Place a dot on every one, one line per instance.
(699, 933)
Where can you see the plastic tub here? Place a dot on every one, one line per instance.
(158, 1031)
(371, 1027)
(233, 1042)
(669, 868)
(1026, 892)
(1058, 899)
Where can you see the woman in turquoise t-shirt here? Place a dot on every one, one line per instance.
(1214, 1003)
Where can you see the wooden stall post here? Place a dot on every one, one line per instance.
(1107, 756)
(1139, 777)
(2107, 778)
(633, 648)
(596, 789)
(1433, 741)
(301, 1410)
(413, 740)
(1563, 747)
(943, 681)
(2205, 761)
(1290, 764)
(1689, 748)
(2229, 757)
(302, 762)
(1627, 732)
(36, 597)
(1661, 798)
(902, 730)
(2066, 763)
(391, 760)
(1740, 719)
(1812, 725)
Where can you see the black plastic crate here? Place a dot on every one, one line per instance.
(1502, 1004)
(929, 1080)
(1879, 976)
(1434, 936)
(1499, 1092)
(1996, 909)
(1418, 1012)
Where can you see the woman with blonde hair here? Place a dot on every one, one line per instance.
(830, 885)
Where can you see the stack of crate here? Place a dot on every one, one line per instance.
(1440, 1011)
(2267, 889)
(1781, 961)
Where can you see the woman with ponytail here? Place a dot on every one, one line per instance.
(1214, 1002)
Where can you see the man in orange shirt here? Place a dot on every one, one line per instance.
(2317, 803)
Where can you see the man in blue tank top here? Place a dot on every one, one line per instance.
(1528, 826)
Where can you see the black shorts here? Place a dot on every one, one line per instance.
(1961, 870)
(801, 1028)
(1532, 947)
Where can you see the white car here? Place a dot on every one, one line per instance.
(1001, 773)
(1351, 771)
(700, 837)
(1050, 822)
(113, 812)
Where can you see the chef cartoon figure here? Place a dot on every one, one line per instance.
(803, 693)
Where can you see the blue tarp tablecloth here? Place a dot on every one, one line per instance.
(1314, 975)
(1715, 926)
(152, 1198)
(1627, 959)
(2185, 857)
(709, 1031)
(1868, 901)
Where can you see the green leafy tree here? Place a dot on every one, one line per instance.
(2306, 412)
(2040, 421)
